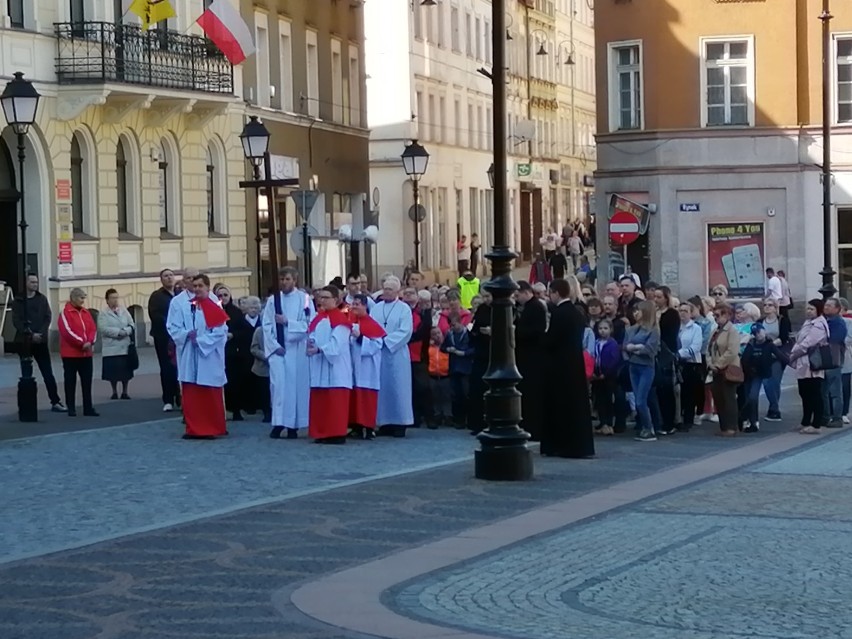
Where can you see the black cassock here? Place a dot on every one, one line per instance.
(238, 360)
(481, 358)
(530, 328)
(567, 415)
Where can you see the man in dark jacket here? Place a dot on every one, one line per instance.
(832, 390)
(158, 311)
(418, 347)
(530, 327)
(39, 315)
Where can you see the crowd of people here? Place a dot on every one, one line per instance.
(344, 362)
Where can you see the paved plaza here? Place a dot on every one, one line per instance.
(131, 533)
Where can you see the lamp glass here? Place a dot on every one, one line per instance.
(20, 103)
(255, 140)
(415, 160)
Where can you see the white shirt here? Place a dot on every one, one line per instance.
(773, 288)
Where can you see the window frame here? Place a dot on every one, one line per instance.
(312, 88)
(835, 77)
(750, 78)
(19, 7)
(78, 189)
(613, 95)
(121, 187)
(285, 65)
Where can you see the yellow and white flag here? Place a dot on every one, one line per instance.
(149, 11)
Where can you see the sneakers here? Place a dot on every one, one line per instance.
(58, 407)
(845, 419)
(834, 423)
(168, 408)
(773, 416)
(646, 436)
(753, 428)
(714, 419)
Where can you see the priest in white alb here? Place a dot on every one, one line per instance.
(395, 412)
(198, 327)
(285, 322)
(331, 370)
(367, 340)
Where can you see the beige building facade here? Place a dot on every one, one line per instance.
(134, 161)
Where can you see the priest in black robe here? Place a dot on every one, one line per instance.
(530, 328)
(567, 414)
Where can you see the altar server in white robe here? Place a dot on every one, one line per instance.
(198, 327)
(367, 341)
(331, 369)
(286, 318)
(395, 412)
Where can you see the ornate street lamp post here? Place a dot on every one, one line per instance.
(20, 106)
(415, 161)
(827, 289)
(503, 453)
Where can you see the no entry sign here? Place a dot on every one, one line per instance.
(623, 228)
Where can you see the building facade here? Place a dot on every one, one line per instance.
(710, 115)
(307, 84)
(133, 163)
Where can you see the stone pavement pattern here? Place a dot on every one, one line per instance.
(218, 577)
(761, 552)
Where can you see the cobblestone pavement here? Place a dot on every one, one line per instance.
(218, 577)
(761, 552)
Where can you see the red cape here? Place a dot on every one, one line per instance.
(214, 315)
(370, 328)
(335, 317)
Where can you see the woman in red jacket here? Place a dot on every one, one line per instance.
(77, 335)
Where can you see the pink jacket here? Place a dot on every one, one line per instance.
(813, 333)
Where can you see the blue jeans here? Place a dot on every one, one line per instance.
(772, 387)
(753, 399)
(832, 394)
(642, 379)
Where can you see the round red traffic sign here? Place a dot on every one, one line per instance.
(623, 228)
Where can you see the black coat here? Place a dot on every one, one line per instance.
(238, 358)
(481, 356)
(530, 329)
(567, 424)
(158, 311)
(38, 312)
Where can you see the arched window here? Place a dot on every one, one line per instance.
(211, 191)
(77, 186)
(121, 184)
(169, 187)
(163, 180)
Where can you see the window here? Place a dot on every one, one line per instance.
(15, 9)
(262, 58)
(486, 32)
(420, 114)
(312, 60)
(470, 126)
(468, 35)
(454, 30)
(76, 185)
(285, 46)
(457, 122)
(418, 20)
(477, 34)
(489, 129)
(625, 93)
(354, 86)
(727, 92)
(843, 89)
(121, 182)
(442, 119)
(163, 183)
(336, 82)
(76, 11)
(433, 120)
(211, 192)
(442, 40)
(480, 128)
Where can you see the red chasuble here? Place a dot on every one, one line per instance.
(365, 401)
(329, 407)
(204, 406)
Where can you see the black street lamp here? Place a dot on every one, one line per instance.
(503, 453)
(20, 105)
(415, 160)
(827, 289)
(255, 141)
(491, 175)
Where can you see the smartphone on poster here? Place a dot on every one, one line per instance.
(730, 271)
(749, 266)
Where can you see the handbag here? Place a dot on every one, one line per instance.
(825, 357)
(733, 373)
(132, 353)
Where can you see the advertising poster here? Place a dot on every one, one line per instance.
(736, 258)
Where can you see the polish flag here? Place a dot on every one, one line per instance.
(224, 25)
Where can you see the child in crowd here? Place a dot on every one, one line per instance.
(758, 357)
(458, 346)
(605, 377)
(439, 381)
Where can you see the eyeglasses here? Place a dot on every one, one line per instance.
(717, 293)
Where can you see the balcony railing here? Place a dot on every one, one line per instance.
(90, 52)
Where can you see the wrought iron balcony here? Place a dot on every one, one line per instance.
(92, 52)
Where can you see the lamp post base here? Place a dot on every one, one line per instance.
(27, 393)
(503, 454)
(827, 289)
